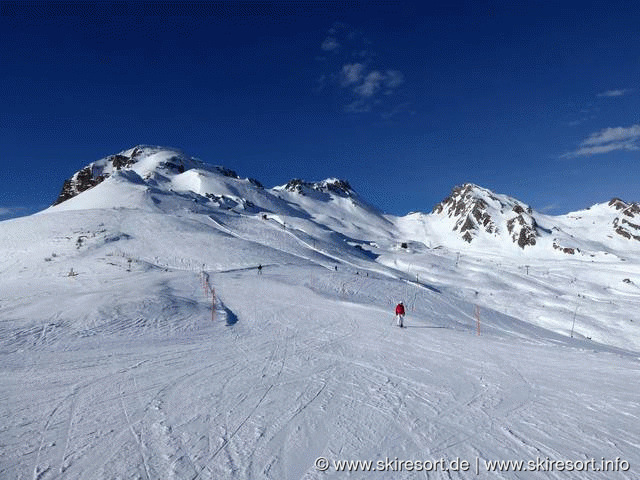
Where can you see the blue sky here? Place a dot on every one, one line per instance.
(403, 99)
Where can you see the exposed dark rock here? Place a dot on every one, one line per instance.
(481, 215)
(522, 232)
(626, 234)
(628, 209)
(120, 161)
(623, 232)
(227, 172)
(464, 204)
(620, 229)
(174, 163)
(255, 183)
(527, 237)
(295, 185)
(67, 192)
(567, 250)
(632, 225)
(617, 204)
(468, 225)
(81, 181)
(92, 175)
(340, 187)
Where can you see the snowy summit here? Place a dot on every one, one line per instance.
(168, 318)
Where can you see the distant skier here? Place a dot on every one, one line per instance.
(260, 269)
(400, 314)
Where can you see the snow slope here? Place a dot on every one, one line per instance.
(122, 369)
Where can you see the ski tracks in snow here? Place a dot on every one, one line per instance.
(57, 435)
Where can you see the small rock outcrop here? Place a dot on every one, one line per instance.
(334, 185)
(621, 224)
(81, 181)
(95, 173)
(567, 250)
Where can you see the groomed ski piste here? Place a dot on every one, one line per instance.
(117, 363)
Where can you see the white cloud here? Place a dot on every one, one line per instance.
(371, 84)
(375, 80)
(610, 147)
(608, 140)
(615, 93)
(330, 44)
(351, 73)
(613, 135)
(351, 67)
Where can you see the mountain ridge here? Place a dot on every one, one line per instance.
(471, 213)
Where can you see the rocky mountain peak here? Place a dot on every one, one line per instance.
(476, 210)
(98, 171)
(628, 209)
(467, 206)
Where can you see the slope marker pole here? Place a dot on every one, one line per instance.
(213, 304)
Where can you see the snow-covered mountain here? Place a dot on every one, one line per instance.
(475, 211)
(139, 339)
(470, 213)
(477, 215)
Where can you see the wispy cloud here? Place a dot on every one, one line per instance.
(580, 121)
(330, 44)
(608, 140)
(9, 212)
(616, 93)
(589, 111)
(375, 80)
(393, 79)
(397, 110)
(359, 105)
(352, 70)
(367, 88)
(549, 208)
(614, 135)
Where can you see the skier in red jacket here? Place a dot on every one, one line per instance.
(400, 314)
